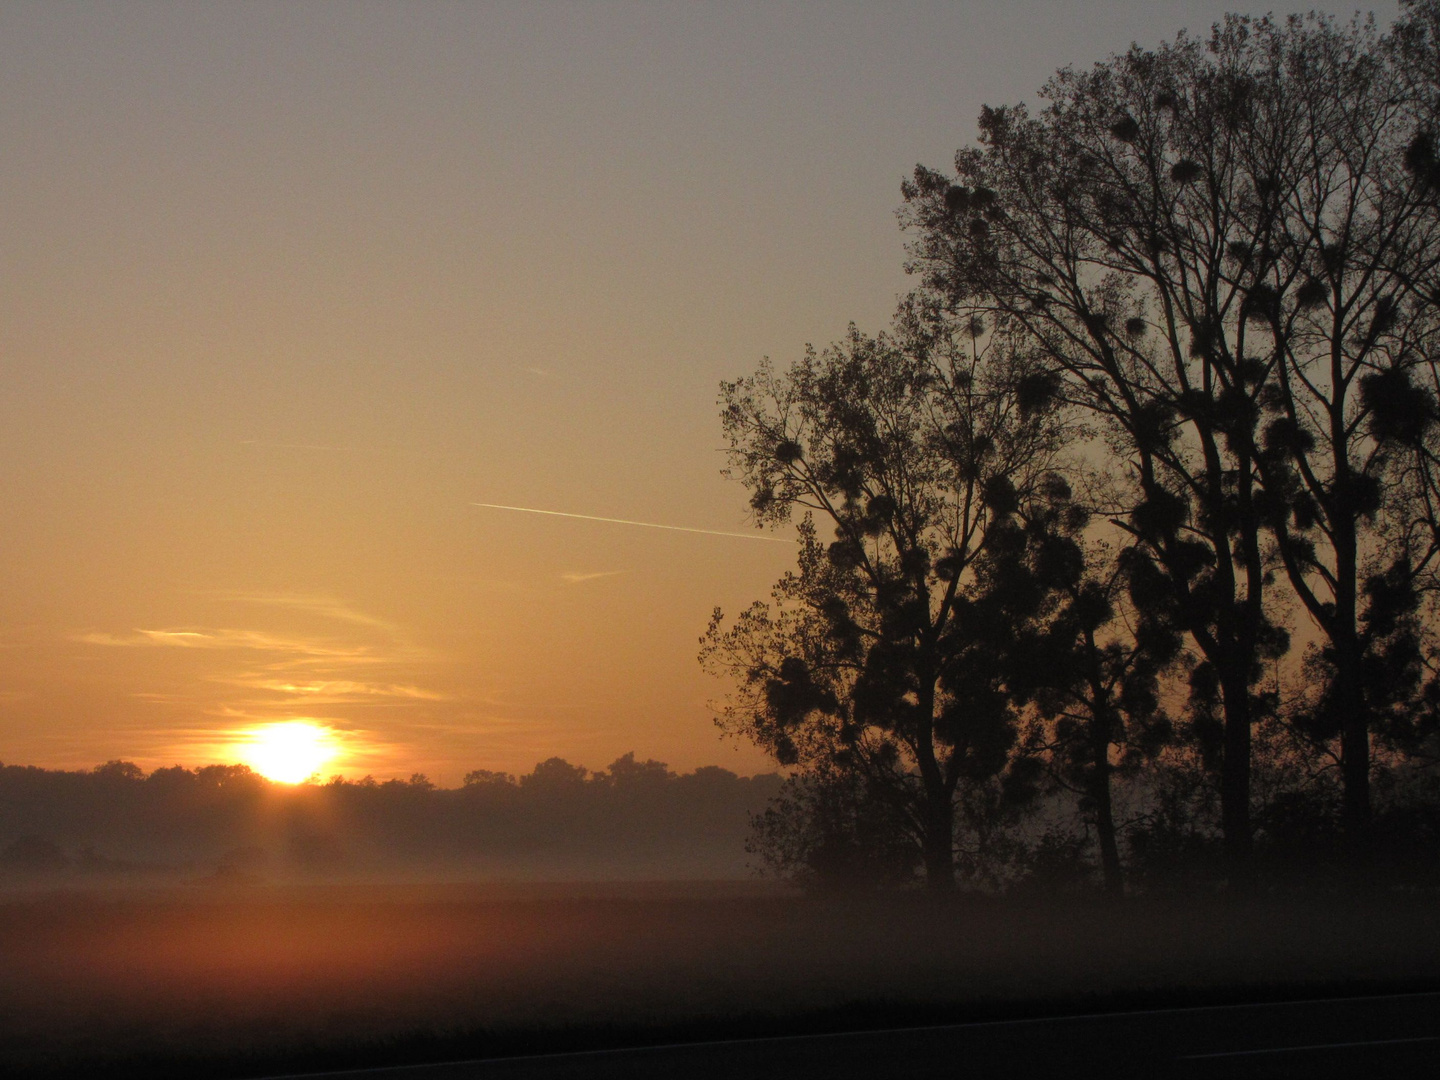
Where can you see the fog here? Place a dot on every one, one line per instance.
(209, 922)
(190, 981)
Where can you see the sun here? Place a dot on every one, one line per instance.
(289, 752)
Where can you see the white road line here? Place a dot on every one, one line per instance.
(1312, 1046)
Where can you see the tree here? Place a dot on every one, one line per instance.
(33, 854)
(828, 832)
(879, 658)
(1348, 327)
(1093, 670)
(1224, 250)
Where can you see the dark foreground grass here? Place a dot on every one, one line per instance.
(281, 981)
(424, 1047)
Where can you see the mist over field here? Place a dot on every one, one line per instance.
(117, 825)
(188, 981)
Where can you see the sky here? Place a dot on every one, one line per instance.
(287, 289)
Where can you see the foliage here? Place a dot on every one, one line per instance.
(827, 833)
(881, 655)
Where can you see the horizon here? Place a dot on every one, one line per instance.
(319, 777)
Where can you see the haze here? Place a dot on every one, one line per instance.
(287, 289)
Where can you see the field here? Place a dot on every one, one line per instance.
(260, 980)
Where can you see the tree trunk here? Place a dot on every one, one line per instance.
(1105, 814)
(1235, 785)
(1354, 762)
(1350, 701)
(939, 845)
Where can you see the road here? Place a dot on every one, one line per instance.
(1357, 1037)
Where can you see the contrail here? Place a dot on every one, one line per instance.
(626, 521)
(321, 446)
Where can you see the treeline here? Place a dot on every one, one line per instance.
(1132, 521)
(633, 819)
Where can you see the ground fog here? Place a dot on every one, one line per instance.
(263, 974)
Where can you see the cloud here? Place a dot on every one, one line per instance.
(324, 606)
(347, 662)
(336, 691)
(576, 578)
(254, 640)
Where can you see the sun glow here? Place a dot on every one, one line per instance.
(289, 752)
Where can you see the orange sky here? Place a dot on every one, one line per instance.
(287, 288)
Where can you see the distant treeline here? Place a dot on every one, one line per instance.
(633, 819)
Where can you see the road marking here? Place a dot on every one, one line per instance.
(1312, 1046)
(1068, 1018)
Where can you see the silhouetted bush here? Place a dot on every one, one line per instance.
(827, 832)
(33, 854)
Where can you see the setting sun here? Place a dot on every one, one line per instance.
(289, 752)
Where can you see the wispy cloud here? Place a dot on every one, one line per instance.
(325, 660)
(323, 606)
(334, 691)
(577, 578)
(254, 640)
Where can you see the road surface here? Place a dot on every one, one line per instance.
(1359, 1037)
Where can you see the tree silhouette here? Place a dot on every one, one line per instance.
(1092, 667)
(1227, 251)
(33, 854)
(880, 656)
(827, 831)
